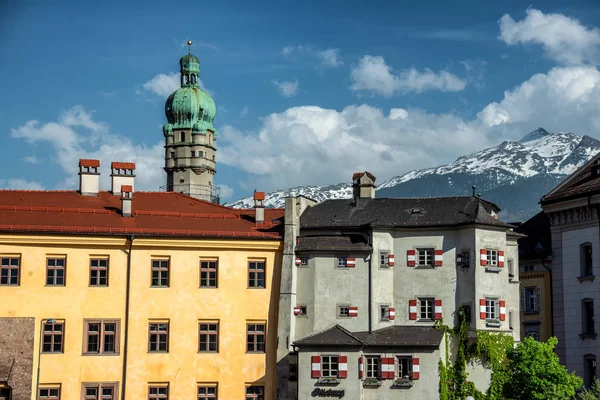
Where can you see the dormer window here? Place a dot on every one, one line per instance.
(183, 136)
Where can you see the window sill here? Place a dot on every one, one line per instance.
(586, 278)
(255, 352)
(53, 352)
(406, 383)
(372, 382)
(159, 287)
(328, 381)
(588, 335)
(99, 354)
(495, 270)
(158, 352)
(208, 287)
(493, 324)
(531, 312)
(256, 287)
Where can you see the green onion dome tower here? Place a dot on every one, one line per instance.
(190, 137)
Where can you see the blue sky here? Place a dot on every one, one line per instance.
(307, 92)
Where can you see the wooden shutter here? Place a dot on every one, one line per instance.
(522, 299)
(438, 309)
(350, 262)
(501, 258)
(387, 368)
(315, 367)
(483, 257)
(412, 309)
(502, 310)
(459, 260)
(411, 258)
(361, 367)
(298, 261)
(343, 367)
(296, 310)
(439, 258)
(415, 368)
(353, 312)
(392, 313)
(391, 260)
(482, 313)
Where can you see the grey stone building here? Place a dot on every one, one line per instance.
(364, 281)
(573, 210)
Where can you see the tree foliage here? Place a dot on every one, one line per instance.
(592, 393)
(535, 373)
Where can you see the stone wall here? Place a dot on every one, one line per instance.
(16, 355)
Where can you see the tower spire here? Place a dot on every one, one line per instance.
(189, 47)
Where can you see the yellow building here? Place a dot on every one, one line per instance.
(141, 295)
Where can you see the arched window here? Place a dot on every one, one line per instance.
(589, 370)
(586, 260)
(183, 136)
(533, 334)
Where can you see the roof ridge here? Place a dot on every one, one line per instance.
(336, 326)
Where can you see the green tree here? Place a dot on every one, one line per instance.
(592, 393)
(535, 373)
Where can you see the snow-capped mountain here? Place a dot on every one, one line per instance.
(515, 175)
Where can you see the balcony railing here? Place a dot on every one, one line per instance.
(204, 192)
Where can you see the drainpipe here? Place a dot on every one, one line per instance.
(371, 283)
(126, 330)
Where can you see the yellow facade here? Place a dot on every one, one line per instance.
(183, 304)
(539, 321)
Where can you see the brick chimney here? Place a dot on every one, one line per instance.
(122, 174)
(259, 207)
(89, 177)
(363, 185)
(126, 200)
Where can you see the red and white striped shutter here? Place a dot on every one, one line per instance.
(353, 312)
(315, 367)
(482, 312)
(343, 367)
(502, 310)
(459, 260)
(296, 310)
(439, 258)
(438, 309)
(298, 261)
(483, 257)
(361, 367)
(350, 262)
(500, 258)
(411, 258)
(391, 260)
(412, 309)
(387, 368)
(415, 368)
(392, 314)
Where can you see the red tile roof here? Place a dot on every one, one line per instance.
(88, 163)
(122, 165)
(126, 188)
(154, 214)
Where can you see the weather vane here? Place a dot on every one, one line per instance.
(189, 47)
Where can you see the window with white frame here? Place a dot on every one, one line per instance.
(426, 308)
(425, 257)
(492, 308)
(342, 262)
(329, 366)
(384, 312)
(531, 299)
(384, 258)
(303, 260)
(492, 257)
(372, 366)
(343, 311)
(404, 367)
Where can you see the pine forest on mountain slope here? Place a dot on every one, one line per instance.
(514, 175)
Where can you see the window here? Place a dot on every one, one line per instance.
(193, 154)
(426, 309)
(172, 154)
(425, 257)
(404, 367)
(491, 309)
(531, 298)
(465, 257)
(52, 393)
(99, 272)
(256, 274)
(588, 316)
(383, 258)
(303, 260)
(101, 337)
(208, 273)
(586, 260)
(492, 257)
(183, 136)
(55, 271)
(467, 312)
(303, 311)
(255, 392)
(255, 334)
(329, 366)
(343, 311)
(209, 337)
(342, 262)
(384, 313)
(100, 391)
(9, 271)
(158, 337)
(511, 271)
(53, 337)
(373, 365)
(207, 392)
(589, 370)
(158, 392)
(200, 154)
(533, 334)
(5, 393)
(528, 268)
(160, 273)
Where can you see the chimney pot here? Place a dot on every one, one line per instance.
(126, 200)
(259, 207)
(89, 177)
(122, 174)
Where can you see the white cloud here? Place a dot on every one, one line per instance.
(244, 111)
(288, 50)
(31, 159)
(20, 184)
(163, 84)
(563, 38)
(226, 192)
(374, 75)
(76, 135)
(287, 88)
(330, 57)
(312, 145)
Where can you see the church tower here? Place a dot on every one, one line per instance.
(190, 138)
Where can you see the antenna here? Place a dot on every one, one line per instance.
(189, 43)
